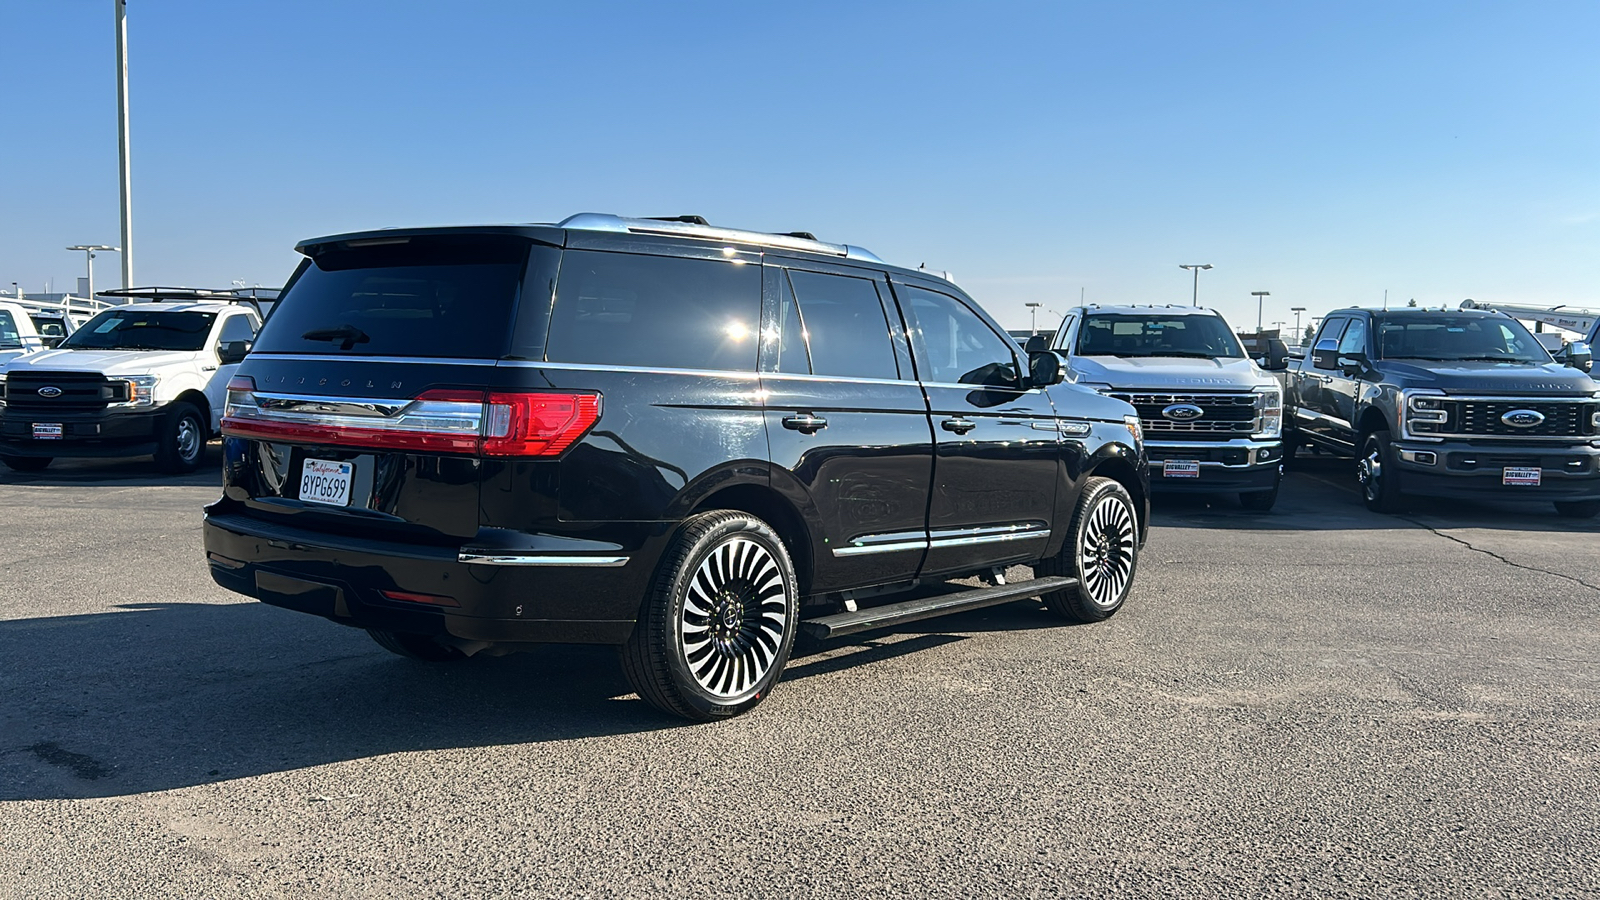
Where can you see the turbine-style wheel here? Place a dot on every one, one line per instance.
(1102, 552)
(715, 633)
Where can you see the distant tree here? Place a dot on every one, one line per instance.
(1310, 333)
(1412, 302)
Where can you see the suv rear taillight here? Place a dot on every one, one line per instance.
(440, 421)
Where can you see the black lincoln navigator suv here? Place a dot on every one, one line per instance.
(691, 442)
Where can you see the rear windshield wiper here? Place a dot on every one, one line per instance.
(347, 335)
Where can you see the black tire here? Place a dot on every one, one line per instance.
(1377, 475)
(1578, 509)
(415, 646)
(182, 440)
(1101, 551)
(1260, 501)
(26, 463)
(726, 575)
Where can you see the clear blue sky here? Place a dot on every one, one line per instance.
(1323, 152)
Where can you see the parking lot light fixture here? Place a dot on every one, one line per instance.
(1260, 302)
(1033, 311)
(1297, 310)
(90, 250)
(1194, 299)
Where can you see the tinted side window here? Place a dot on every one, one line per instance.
(658, 311)
(1355, 337)
(955, 346)
(237, 328)
(793, 357)
(844, 326)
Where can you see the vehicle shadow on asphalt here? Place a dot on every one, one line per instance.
(1319, 493)
(164, 696)
(136, 471)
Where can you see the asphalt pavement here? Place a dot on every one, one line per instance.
(1319, 701)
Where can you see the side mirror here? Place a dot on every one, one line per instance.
(233, 352)
(1326, 354)
(51, 341)
(1044, 369)
(1578, 354)
(1277, 355)
(1353, 364)
(1039, 343)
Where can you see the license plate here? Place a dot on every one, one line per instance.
(325, 481)
(1521, 475)
(47, 431)
(1180, 468)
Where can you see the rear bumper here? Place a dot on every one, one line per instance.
(1463, 470)
(1241, 466)
(571, 595)
(105, 433)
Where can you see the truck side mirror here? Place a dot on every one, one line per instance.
(233, 352)
(1326, 354)
(1277, 357)
(1578, 354)
(1037, 344)
(1044, 368)
(1353, 363)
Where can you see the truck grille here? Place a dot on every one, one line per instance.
(79, 391)
(1476, 416)
(1223, 416)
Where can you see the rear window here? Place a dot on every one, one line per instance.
(663, 312)
(437, 296)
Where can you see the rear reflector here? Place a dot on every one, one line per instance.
(430, 599)
(438, 421)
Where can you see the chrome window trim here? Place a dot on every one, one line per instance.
(849, 379)
(750, 374)
(408, 360)
(497, 558)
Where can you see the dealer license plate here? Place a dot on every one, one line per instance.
(1180, 468)
(1521, 475)
(47, 431)
(326, 481)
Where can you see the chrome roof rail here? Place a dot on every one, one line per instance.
(624, 225)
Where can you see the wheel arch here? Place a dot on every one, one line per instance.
(773, 508)
(1122, 470)
(1369, 421)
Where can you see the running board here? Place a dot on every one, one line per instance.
(928, 607)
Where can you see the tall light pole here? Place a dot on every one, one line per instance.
(1033, 310)
(1195, 267)
(126, 173)
(1260, 302)
(89, 250)
(1299, 336)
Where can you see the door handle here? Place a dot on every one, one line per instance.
(805, 423)
(958, 425)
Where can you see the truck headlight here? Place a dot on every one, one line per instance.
(2, 389)
(1269, 412)
(1422, 412)
(141, 390)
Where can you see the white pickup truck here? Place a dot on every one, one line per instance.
(145, 378)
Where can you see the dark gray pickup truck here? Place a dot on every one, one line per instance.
(1447, 403)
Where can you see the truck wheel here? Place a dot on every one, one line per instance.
(1578, 509)
(1102, 552)
(1259, 501)
(26, 463)
(1378, 475)
(182, 441)
(415, 646)
(1291, 445)
(716, 629)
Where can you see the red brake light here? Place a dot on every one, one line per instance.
(241, 383)
(537, 424)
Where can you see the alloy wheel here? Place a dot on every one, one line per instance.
(1370, 473)
(1106, 552)
(734, 616)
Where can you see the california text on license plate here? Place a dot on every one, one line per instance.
(326, 481)
(1180, 468)
(47, 431)
(1521, 475)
